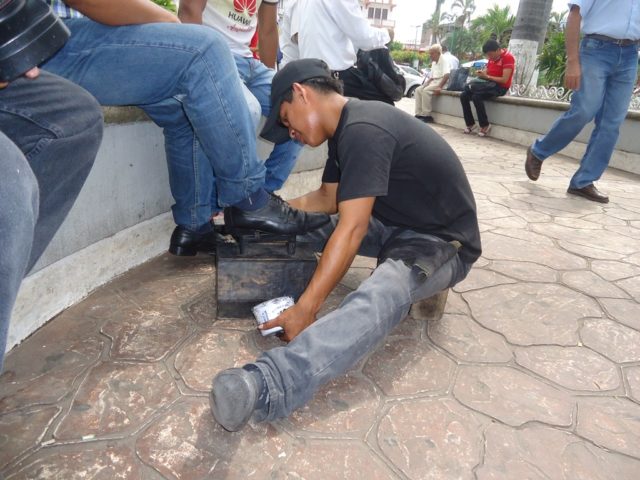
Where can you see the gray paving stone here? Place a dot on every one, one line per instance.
(346, 406)
(612, 270)
(532, 313)
(613, 423)
(544, 453)
(632, 374)
(576, 368)
(603, 239)
(145, 335)
(623, 311)
(406, 366)
(97, 462)
(209, 352)
(592, 285)
(432, 438)
(456, 304)
(467, 341)
(614, 341)
(512, 396)
(23, 430)
(527, 272)
(631, 286)
(116, 399)
(479, 278)
(498, 247)
(186, 443)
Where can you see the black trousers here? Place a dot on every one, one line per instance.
(478, 97)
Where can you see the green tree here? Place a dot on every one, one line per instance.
(395, 46)
(497, 21)
(466, 7)
(434, 22)
(557, 21)
(168, 4)
(552, 61)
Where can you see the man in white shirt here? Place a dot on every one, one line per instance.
(334, 31)
(454, 63)
(289, 32)
(237, 22)
(433, 86)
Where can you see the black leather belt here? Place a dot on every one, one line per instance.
(623, 43)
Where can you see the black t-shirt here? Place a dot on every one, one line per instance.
(418, 181)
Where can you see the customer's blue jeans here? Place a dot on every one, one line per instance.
(334, 343)
(50, 130)
(185, 78)
(608, 76)
(257, 77)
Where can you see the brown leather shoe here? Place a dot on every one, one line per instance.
(532, 165)
(590, 192)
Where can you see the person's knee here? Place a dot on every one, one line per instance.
(19, 190)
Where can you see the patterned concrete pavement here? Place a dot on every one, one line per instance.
(533, 372)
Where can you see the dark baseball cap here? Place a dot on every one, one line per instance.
(293, 72)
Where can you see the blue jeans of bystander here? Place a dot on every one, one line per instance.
(608, 76)
(257, 77)
(185, 79)
(50, 130)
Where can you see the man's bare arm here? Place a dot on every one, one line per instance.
(320, 200)
(268, 33)
(572, 44)
(190, 11)
(123, 12)
(336, 259)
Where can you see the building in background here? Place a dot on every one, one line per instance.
(379, 13)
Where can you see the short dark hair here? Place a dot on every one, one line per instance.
(490, 46)
(320, 84)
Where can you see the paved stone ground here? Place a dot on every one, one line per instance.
(533, 372)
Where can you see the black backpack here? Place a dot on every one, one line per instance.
(377, 67)
(458, 79)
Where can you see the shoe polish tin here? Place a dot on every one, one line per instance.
(269, 310)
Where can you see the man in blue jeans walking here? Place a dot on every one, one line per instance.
(133, 52)
(400, 194)
(50, 130)
(601, 69)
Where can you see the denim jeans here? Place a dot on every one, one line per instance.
(50, 130)
(334, 343)
(467, 96)
(608, 76)
(185, 79)
(257, 78)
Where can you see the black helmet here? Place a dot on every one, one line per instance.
(29, 34)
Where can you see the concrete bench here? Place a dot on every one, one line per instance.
(121, 218)
(522, 120)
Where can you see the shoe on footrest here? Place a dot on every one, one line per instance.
(277, 217)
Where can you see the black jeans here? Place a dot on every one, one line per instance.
(50, 130)
(467, 96)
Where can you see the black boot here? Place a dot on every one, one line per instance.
(187, 243)
(277, 217)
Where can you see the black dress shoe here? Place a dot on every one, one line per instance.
(590, 192)
(187, 243)
(428, 119)
(277, 217)
(532, 165)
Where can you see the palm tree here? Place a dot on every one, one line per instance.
(557, 21)
(466, 7)
(435, 22)
(497, 21)
(528, 36)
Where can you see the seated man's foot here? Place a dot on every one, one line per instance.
(427, 119)
(185, 242)
(590, 192)
(234, 398)
(532, 165)
(277, 217)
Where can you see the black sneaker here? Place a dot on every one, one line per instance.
(277, 217)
